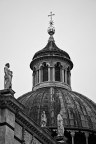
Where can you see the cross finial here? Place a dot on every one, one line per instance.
(51, 29)
(51, 15)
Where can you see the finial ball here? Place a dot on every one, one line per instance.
(51, 31)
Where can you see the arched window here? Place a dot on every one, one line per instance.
(45, 71)
(57, 71)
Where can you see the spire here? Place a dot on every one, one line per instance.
(51, 29)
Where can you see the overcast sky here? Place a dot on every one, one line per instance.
(23, 31)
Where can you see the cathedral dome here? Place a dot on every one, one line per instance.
(52, 100)
(78, 111)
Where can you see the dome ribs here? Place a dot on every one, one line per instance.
(22, 99)
(66, 120)
(33, 106)
(85, 120)
(56, 105)
(91, 112)
(75, 111)
(39, 108)
(54, 49)
(43, 105)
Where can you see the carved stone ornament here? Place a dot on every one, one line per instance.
(7, 77)
(60, 125)
(43, 119)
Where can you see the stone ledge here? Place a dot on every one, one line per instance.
(7, 92)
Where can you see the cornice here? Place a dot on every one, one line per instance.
(51, 56)
(51, 84)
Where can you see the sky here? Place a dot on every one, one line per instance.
(23, 32)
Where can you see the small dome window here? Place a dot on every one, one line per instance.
(57, 71)
(45, 72)
(68, 76)
(34, 76)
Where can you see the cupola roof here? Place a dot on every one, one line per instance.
(51, 48)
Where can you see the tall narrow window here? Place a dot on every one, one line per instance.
(57, 72)
(45, 72)
(34, 76)
(68, 76)
(64, 75)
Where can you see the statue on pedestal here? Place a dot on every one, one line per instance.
(60, 125)
(43, 119)
(7, 77)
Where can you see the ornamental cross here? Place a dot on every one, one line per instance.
(51, 15)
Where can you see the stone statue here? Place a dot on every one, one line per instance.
(60, 125)
(7, 77)
(43, 119)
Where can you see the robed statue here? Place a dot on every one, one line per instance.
(60, 125)
(43, 119)
(7, 77)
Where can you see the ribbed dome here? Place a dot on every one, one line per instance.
(51, 49)
(78, 111)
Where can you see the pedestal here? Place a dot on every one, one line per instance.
(61, 139)
(7, 92)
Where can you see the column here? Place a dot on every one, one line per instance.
(72, 134)
(53, 74)
(39, 75)
(70, 78)
(33, 79)
(62, 78)
(48, 73)
(86, 136)
(66, 76)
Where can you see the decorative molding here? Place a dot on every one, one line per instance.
(5, 123)
(52, 56)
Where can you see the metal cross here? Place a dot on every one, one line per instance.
(51, 15)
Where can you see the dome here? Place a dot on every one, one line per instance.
(52, 104)
(78, 111)
(51, 49)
